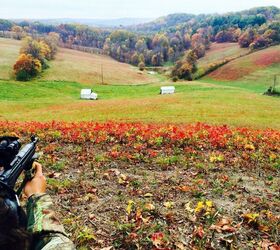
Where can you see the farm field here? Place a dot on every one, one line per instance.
(195, 170)
(258, 81)
(254, 72)
(164, 186)
(9, 51)
(237, 102)
(219, 52)
(193, 102)
(75, 66)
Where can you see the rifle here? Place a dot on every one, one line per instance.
(13, 162)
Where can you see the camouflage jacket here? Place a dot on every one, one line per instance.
(48, 233)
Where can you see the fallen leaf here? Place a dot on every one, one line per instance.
(157, 239)
(250, 147)
(184, 188)
(149, 206)
(148, 195)
(169, 204)
(250, 217)
(129, 206)
(188, 207)
(107, 248)
(199, 232)
(54, 175)
(123, 179)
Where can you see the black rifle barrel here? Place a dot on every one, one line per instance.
(22, 161)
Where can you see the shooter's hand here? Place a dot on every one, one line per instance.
(38, 184)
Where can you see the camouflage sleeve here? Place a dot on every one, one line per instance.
(48, 233)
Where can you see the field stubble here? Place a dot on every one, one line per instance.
(144, 186)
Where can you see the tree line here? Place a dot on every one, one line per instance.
(177, 38)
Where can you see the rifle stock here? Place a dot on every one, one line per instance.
(20, 161)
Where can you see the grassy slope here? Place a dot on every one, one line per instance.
(54, 100)
(9, 50)
(75, 66)
(254, 72)
(219, 52)
(71, 65)
(193, 102)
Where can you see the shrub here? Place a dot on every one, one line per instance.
(35, 55)
(141, 66)
(246, 38)
(259, 42)
(175, 79)
(26, 67)
(224, 36)
(186, 67)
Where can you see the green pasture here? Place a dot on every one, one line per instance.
(258, 81)
(236, 103)
(219, 52)
(193, 102)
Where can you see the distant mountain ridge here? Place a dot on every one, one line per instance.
(171, 21)
(91, 22)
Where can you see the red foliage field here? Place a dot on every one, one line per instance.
(150, 186)
(243, 66)
(267, 58)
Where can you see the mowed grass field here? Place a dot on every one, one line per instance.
(254, 72)
(75, 66)
(220, 51)
(129, 99)
(193, 102)
(9, 51)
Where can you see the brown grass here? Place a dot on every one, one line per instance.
(248, 64)
(76, 66)
(268, 57)
(9, 50)
(212, 105)
(219, 52)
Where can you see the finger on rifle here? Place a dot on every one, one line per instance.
(38, 169)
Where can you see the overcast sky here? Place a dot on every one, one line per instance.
(108, 9)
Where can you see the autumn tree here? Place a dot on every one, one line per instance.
(18, 32)
(259, 42)
(141, 65)
(224, 36)
(26, 67)
(187, 41)
(141, 45)
(157, 59)
(246, 38)
(52, 40)
(171, 54)
(34, 56)
(135, 59)
(185, 67)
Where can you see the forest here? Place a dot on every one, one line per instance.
(179, 39)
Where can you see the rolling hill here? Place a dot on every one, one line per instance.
(219, 52)
(75, 66)
(9, 50)
(254, 71)
(55, 95)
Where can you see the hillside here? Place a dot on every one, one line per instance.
(9, 50)
(175, 22)
(75, 66)
(71, 65)
(89, 21)
(220, 51)
(130, 185)
(193, 102)
(254, 71)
